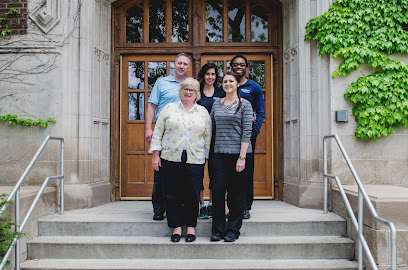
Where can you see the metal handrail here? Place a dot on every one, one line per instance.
(362, 196)
(15, 193)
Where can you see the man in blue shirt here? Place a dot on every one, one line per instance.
(165, 91)
(252, 92)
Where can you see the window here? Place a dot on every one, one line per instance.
(134, 24)
(259, 24)
(213, 21)
(246, 20)
(151, 16)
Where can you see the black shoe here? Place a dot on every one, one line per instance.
(158, 216)
(215, 237)
(190, 237)
(230, 237)
(209, 210)
(175, 238)
(228, 216)
(203, 213)
(247, 215)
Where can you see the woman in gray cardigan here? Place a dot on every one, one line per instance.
(232, 119)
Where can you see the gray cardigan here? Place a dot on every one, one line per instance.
(232, 128)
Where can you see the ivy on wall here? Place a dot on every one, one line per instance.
(13, 120)
(368, 32)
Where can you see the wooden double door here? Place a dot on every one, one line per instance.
(138, 75)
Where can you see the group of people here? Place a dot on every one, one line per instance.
(196, 121)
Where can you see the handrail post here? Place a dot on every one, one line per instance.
(360, 229)
(15, 193)
(363, 248)
(17, 229)
(62, 179)
(324, 177)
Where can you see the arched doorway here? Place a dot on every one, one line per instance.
(146, 37)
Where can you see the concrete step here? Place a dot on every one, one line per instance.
(191, 264)
(256, 248)
(123, 219)
(160, 228)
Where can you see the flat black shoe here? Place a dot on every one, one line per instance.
(175, 238)
(246, 215)
(230, 237)
(158, 216)
(215, 237)
(190, 237)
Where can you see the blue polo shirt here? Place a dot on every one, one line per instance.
(252, 92)
(165, 91)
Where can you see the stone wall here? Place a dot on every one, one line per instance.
(306, 88)
(383, 161)
(311, 99)
(60, 69)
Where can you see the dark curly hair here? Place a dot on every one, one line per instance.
(201, 74)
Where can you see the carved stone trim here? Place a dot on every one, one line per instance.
(101, 55)
(47, 15)
(290, 53)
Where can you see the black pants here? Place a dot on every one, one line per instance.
(181, 189)
(227, 179)
(157, 194)
(249, 186)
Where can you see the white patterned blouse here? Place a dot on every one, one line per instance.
(177, 130)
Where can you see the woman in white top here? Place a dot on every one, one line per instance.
(180, 146)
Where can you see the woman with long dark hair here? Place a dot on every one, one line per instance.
(232, 118)
(209, 88)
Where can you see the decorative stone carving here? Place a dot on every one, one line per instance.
(286, 56)
(290, 53)
(46, 15)
(98, 53)
(101, 55)
(293, 53)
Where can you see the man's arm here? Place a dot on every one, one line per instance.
(151, 109)
(259, 107)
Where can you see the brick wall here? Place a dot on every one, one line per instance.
(17, 23)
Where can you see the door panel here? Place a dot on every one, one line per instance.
(260, 71)
(139, 73)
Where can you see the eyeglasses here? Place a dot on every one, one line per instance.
(239, 65)
(187, 90)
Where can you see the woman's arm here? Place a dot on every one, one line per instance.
(246, 123)
(207, 134)
(242, 155)
(156, 160)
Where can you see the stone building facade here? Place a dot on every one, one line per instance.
(60, 65)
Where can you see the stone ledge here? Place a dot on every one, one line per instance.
(391, 203)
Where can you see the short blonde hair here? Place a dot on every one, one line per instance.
(194, 83)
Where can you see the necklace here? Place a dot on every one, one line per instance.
(228, 107)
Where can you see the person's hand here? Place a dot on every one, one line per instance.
(156, 161)
(148, 135)
(240, 165)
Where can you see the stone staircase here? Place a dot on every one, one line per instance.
(122, 235)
